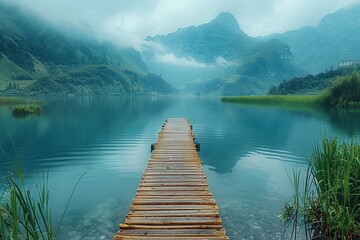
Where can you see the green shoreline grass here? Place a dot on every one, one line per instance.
(12, 100)
(343, 93)
(18, 100)
(286, 100)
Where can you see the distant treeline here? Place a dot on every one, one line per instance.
(309, 83)
(344, 93)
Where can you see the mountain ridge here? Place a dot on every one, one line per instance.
(34, 57)
(221, 44)
(221, 37)
(332, 41)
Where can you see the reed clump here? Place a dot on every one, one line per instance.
(329, 204)
(26, 109)
(25, 212)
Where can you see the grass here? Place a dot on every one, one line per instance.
(11, 100)
(17, 100)
(24, 215)
(329, 204)
(26, 109)
(343, 93)
(22, 107)
(285, 100)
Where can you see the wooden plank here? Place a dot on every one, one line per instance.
(172, 179)
(183, 213)
(201, 188)
(118, 237)
(175, 232)
(172, 220)
(172, 207)
(175, 193)
(178, 176)
(173, 200)
(169, 227)
(173, 167)
(173, 184)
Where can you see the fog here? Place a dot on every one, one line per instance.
(127, 23)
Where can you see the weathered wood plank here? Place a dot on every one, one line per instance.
(169, 227)
(171, 207)
(174, 193)
(183, 213)
(142, 189)
(117, 237)
(173, 184)
(173, 200)
(172, 220)
(175, 232)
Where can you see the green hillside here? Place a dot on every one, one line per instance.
(37, 58)
(310, 84)
(222, 37)
(334, 40)
(265, 65)
(238, 63)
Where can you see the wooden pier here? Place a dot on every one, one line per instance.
(173, 200)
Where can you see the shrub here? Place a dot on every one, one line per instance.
(344, 92)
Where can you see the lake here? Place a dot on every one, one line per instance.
(247, 154)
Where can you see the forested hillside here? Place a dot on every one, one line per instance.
(37, 58)
(310, 83)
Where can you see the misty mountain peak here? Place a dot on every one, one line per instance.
(228, 21)
(226, 17)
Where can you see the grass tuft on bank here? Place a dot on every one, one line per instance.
(26, 109)
(25, 211)
(328, 204)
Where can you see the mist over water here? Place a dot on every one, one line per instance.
(246, 153)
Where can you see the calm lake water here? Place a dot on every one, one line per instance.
(246, 153)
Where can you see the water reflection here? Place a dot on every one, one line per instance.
(345, 121)
(246, 152)
(69, 129)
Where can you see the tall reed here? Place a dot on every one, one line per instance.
(25, 215)
(329, 205)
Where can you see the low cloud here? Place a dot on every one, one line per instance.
(129, 22)
(155, 52)
(222, 62)
(170, 58)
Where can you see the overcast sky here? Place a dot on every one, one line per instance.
(130, 21)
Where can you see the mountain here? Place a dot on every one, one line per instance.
(335, 39)
(266, 64)
(36, 58)
(218, 58)
(222, 37)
